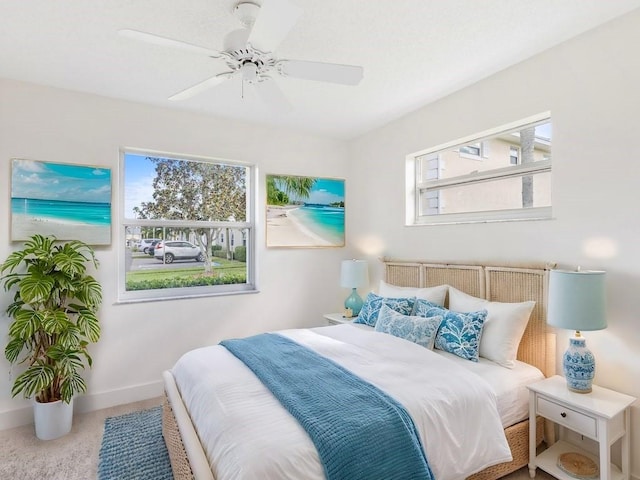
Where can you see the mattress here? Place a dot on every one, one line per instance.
(508, 384)
(246, 433)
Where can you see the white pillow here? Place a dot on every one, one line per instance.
(433, 294)
(503, 328)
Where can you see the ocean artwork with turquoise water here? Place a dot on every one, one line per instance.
(322, 220)
(70, 202)
(305, 211)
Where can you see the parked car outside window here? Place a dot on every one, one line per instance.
(145, 243)
(171, 250)
(152, 247)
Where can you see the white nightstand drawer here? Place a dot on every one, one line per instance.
(572, 419)
(337, 318)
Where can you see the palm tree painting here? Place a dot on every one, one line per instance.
(305, 212)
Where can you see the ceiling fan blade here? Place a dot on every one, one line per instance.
(200, 87)
(276, 19)
(168, 42)
(322, 72)
(271, 94)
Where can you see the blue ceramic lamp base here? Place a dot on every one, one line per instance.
(353, 302)
(579, 365)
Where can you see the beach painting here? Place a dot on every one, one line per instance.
(70, 202)
(305, 212)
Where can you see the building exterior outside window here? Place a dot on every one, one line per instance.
(504, 175)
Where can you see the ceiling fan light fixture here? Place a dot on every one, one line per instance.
(249, 72)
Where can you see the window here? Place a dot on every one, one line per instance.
(503, 174)
(473, 150)
(514, 155)
(178, 214)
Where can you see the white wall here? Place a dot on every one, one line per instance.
(140, 340)
(590, 85)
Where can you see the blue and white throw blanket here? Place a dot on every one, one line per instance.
(360, 432)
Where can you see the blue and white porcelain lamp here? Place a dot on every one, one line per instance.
(577, 302)
(354, 274)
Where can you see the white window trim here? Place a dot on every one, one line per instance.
(413, 188)
(477, 137)
(191, 292)
(518, 170)
(536, 213)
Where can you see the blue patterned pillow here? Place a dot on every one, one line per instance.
(372, 304)
(418, 330)
(459, 333)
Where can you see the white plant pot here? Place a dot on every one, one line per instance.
(53, 419)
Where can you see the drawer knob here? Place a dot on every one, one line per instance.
(563, 414)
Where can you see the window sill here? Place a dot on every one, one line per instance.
(125, 301)
(532, 214)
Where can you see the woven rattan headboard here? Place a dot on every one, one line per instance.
(494, 283)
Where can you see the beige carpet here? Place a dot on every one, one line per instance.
(72, 457)
(75, 456)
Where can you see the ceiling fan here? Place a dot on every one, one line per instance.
(249, 53)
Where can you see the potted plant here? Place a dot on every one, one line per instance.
(54, 318)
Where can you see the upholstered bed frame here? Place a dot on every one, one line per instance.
(515, 283)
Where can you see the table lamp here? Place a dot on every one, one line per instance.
(577, 302)
(354, 274)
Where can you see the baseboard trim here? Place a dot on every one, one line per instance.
(87, 403)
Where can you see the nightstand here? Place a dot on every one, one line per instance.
(602, 415)
(337, 318)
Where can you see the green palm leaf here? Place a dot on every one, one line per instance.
(36, 288)
(13, 349)
(26, 324)
(33, 380)
(70, 386)
(88, 324)
(55, 321)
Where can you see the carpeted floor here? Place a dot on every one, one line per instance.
(72, 457)
(75, 456)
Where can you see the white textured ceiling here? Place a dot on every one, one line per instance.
(413, 51)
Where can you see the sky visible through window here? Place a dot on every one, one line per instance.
(139, 173)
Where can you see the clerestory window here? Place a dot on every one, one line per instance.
(502, 174)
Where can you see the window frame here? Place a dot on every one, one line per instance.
(415, 188)
(250, 226)
(515, 150)
(464, 150)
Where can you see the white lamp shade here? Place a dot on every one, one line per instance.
(577, 300)
(354, 273)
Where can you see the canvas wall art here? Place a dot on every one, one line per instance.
(71, 202)
(305, 212)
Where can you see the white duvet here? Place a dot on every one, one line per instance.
(247, 434)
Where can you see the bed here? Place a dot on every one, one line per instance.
(512, 284)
